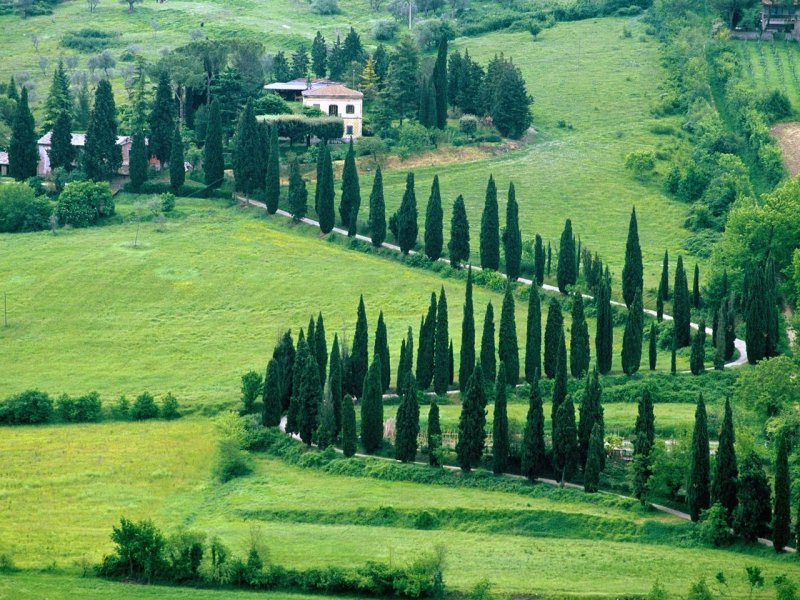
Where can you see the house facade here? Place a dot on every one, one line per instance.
(79, 141)
(3, 164)
(336, 100)
(780, 16)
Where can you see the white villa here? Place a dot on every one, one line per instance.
(79, 141)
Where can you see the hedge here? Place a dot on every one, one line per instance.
(298, 127)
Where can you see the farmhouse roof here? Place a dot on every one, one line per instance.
(297, 85)
(335, 90)
(3, 158)
(79, 139)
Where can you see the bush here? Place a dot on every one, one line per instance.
(641, 163)
(88, 40)
(85, 409)
(384, 30)
(138, 554)
(83, 203)
(169, 407)
(28, 408)
(296, 127)
(167, 202)
(122, 410)
(468, 124)
(776, 105)
(271, 104)
(22, 210)
(414, 137)
(144, 407)
(325, 7)
(231, 461)
(713, 528)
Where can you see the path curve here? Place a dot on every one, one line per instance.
(740, 345)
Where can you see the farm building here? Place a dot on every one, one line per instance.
(780, 16)
(3, 164)
(79, 141)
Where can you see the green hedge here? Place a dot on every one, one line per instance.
(297, 127)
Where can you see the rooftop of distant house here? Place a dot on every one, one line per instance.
(314, 88)
(79, 139)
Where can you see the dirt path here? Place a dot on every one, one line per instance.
(788, 136)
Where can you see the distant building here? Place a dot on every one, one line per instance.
(3, 164)
(336, 100)
(780, 16)
(293, 90)
(79, 141)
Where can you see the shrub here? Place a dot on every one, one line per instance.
(713, 528)
(167, 202)
(325, 7)
(138, 553)
(414, 137)
(271, 104)
(22, 210)
(122, 410)
(85, 409)
(169, 407)
(83, 203)
(425, 520)
(776, 105)
(88, 40)
(297, 127)
(468, 124)
(384, 29)
(641, 163)
(144, 407)
(231, 461)
(27, 408)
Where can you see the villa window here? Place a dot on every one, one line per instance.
(333, 110)
(350, 109)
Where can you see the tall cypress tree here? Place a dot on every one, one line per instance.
(560, 380)
(311, 339)
(652, 348)
(771, 304)
(407, 229)
(297, 401)
(321, 347)
(488, 350)
(62, 152)
(451, 363)
(632, 338)
(349, 436)
(549, 258)
(664, 284)
(566, 273)
(162, 119)
(532, 456)
(138, 160)
(441, 354)
(272, 184)
(533, 336)
(407, 428)
(681, 311)
(284, 353)
(591, 415)
(350, 202)
(439, 80)
(427, 345)
(310, 396)
(335, 378)
(644, 439)
(377, 211)
(490, 229)
(698, 494)
(177, 171)
(247, 152)
(754, 509)
(726, 473)
(696, 287)
(372, 408)
(595, 461)
(512, 238)
(782, 518)
(326, 432)
(298, 195)
(539, 260)
(467, 354)
(213, 159)
(458, 246)
(323, 193)
(405, 366)
(434, 235)
(434, 433)
(565, 441)
(697, 359)
(23, 156)
(59, 100)
(471, 423)
(553, 330)
(359, 360)
(579, 340)
(271, 416)
(102, 157)
(319, 55)
(508, 349)
(633, 271)
(604, 337)
(500, 424)
(381, 349)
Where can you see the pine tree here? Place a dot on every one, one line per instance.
(591, 415)
(82, 108)
(471, 423)
(632, 338)
(726, 473)
(407, 229)
(319, 56)
(553, 331)
(271, 416)
(335, 377)
(653, 347)
(488, 350)
(349, 439)
(381, 349)
(753, 514)
(102, 157)
(359, 359)
(533, 457)
(427, 346)
(633, 271)
(604, 337)
(138, 160)
(439, 80)
(407, 423)
(401, 84)
(325, 193)
(565, 441)
(698, 494)
(247, 151)
(512, 238)
(490, 229)
(162, 119)
(272, 184)
(372, 408)
(696, 287)
(533, 336)
(350, 203)
(508, 349)
(566, 273)
(434, 433)
(467, 354)
(62, 152)
(595, 461)
(681, 310)
(326, 432)
(458, 246)
(500, 449)
(321, 347)
(298, 195)
(539, 260)
(697, 359)
(510, 109)
(434, 235)
(664, 284)
(644, 439)
(441, 356)
(370, 81)
(377, 211)
(59, 100)
(719, 337)
(560, 381)
(579, 340)
(782, 518)
(299, 66)
(177, 171)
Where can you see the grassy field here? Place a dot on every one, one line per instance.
(309, 518)
(769, 66)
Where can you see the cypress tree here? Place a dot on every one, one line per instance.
(560, 381)
(272, 184)
(298, 195)
(579, 340)
(718, 337)
(359, 360)
(350, 202)
(539, 260)
(632, 338)
(372, 408)
(324, 192)
(591, 416)
(633, 271)
(439, 80)
(59, 100)
(500, 424)
(512, 238)
(310, 396)
(659, 305)
(471, 423)
(297, 401)
(533, 336)
(565, 441)
(467, 355)
(23, 155)
(377, 211)
(451, 361)
(434, 236)
(549, 258)
(488, 350)
(508, 349)
(566, 273)
(441, 354)
(755, 315)
(595, 461)
(604, 337)
(162, 119)
(730, 329)
(319, 55)
(427, 346)
(381, 349)
(213, 160)
(62, 152)
(673, 357)
(405, 366)
(177, 171)
(644, 439)
(434, 433)
(490, 229)
(696, 287)
(349, 439)
(533, 458)
(698, 357)
(553, 331)
(138, 160)
(698, 494)
(407, 229)
(653, 347)
(664, 284)
(247, 151)
(407, 428)
(321, 347)
(458, 246)
(335, 377)
(326, 432)
(271, 416)
(726, 473)
(782, 518)
(681, 310)
(285, 353)
(771, 304)
(754, 507)
(102, 157)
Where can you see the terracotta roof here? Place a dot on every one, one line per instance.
(3, 158)
(336, 90)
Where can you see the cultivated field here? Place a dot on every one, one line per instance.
(769, 66)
